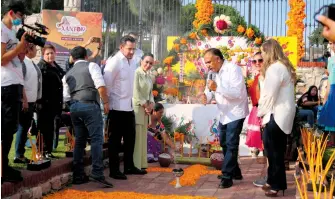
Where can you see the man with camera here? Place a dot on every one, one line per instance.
(11, 83)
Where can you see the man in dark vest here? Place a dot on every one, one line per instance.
(83, 88)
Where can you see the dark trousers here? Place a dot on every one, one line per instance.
(121, 124)
(11, 103)
(275, 143)
(87, 122)
(26, 121)
(229, 141)
(45, 122)
(57, 126)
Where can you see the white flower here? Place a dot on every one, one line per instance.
(160, 71)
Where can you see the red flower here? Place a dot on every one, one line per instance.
(221, 25)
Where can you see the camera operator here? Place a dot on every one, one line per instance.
(11, 83)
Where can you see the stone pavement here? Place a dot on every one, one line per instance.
(158, 183)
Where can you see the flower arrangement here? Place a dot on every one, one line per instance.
(229, 22)
(221, 23)
(295, 23)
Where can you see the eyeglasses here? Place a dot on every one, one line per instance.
(257, 60)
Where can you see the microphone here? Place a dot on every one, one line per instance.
(211, 76)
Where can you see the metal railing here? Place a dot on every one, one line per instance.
(154, 20)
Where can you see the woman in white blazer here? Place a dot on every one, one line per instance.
(277, 108)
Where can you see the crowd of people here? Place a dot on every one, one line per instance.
(123, 89)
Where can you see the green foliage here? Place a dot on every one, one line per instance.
(316, 37)
(168, 124)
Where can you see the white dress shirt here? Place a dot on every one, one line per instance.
(96, 75)
(119, 78)
(231, 93)
(31, 80)
(277, 97)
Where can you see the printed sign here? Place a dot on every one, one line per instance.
(71, 29)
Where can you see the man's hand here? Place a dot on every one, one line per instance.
(23, 41)
(211, 85)
(203, 99)
(328, 27)
(25, 106)
(106, 108)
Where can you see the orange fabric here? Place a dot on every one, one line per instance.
(254, 91)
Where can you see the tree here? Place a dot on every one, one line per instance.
(161, 17)
(316, 37)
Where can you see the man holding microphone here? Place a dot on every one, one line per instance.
(229, 90)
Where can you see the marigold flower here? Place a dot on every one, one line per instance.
(250, 33)
(183, 41)
(176, 47)
(258, 41)
(240, 29)
(192, 35)
(155, 93)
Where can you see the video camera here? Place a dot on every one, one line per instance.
(37, 40)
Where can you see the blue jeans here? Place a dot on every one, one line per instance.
(307, 115)
(87, 122)
(25, 122)
(229, 141)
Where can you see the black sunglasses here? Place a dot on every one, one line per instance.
(257, 60)
(326, 10)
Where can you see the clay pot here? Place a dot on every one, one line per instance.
(164, 160)
(217, 160)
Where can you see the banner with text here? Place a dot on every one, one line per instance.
(70, 29)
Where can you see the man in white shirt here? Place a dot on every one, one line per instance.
(11, 83)
(119, 75)
(83, 86)
(230, 94)
(33, 90)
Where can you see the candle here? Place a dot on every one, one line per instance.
(164, 145)
(190, 149)
(199, 147)
(182, 145)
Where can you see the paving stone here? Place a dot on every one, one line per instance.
(46, 187)
(56, 183)
(27, 194)
(37, 192)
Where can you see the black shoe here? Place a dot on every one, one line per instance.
(49, 156)
(21, 160)
(236, 177)
(102, 181)
(118, 175)
(135, 171)
(226, 183)
(11, 175)
(80, 179)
